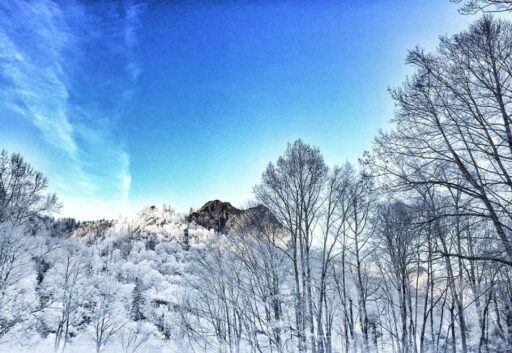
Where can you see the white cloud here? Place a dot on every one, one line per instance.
(41, 57)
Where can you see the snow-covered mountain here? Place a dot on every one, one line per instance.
(214, 216)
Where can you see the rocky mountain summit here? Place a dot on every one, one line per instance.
(223, 217)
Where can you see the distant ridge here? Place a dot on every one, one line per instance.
(217, 215)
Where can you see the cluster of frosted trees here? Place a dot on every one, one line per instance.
(95, 286)
(411, 253)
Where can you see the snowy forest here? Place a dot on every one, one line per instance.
(409, 250)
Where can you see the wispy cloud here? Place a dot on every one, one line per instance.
(69, 69)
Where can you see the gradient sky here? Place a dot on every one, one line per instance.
(129, 104)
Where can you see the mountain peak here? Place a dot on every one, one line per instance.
(224, 217)
(215, 215)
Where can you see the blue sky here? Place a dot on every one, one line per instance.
(126, 104)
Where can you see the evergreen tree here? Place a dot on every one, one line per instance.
(137, 312)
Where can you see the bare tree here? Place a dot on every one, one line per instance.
(454, 126)
(22, 199)
(474, 6)
(293, 191)
(22, 191)
(69, 290)
(257, 243)
(339, 195)
(107, 314)
(399, 247)
(135, 335)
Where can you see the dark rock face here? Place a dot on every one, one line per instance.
(214, 215)
(223, 217)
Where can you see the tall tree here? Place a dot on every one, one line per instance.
(22, 191)
(22, 199)
(293, 189)
(453, 126)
